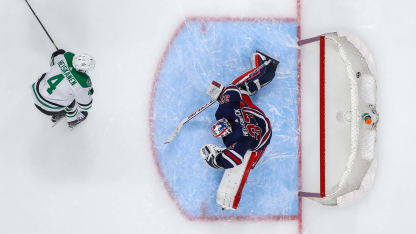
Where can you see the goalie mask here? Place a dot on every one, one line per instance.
(221, 128)
(83, 63)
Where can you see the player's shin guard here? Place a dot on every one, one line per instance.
(233, 181)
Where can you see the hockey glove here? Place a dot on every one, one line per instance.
(54, 54)
(210, 153)
(215, 90)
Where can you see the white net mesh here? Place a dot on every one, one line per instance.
(350, 96)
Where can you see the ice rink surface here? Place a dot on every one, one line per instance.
(102, 177)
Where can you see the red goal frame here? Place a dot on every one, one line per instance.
(358, 173)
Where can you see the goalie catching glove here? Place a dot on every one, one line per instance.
(210, 153)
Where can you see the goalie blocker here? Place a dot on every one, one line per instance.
(243, 127)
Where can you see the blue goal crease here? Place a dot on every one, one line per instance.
(221, 51)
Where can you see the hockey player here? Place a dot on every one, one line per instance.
(244, 128)
(66, 89)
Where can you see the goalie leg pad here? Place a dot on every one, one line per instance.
(262, 57)
(263, 76)
(257, 59)
(233, 181)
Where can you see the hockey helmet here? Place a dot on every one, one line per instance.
(221, 128)
(83, 63)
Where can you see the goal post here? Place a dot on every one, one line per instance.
(347, 119)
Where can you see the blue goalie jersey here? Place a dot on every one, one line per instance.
(251, 128)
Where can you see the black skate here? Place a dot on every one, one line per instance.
(274, 61)
(74, 123)
(56, 117)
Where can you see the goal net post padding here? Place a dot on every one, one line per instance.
(347, 118)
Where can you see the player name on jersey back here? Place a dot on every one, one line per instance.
(67, 73)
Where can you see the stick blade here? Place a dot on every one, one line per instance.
(173, 135)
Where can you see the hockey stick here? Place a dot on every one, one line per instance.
(180, 125)
(202, 108)
(50, 38)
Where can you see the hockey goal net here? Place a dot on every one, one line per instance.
(348, 119)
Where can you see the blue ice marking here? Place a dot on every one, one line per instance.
(222, 52)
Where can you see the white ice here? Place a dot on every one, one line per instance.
(101, 177)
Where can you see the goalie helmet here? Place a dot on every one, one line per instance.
(83, 63)
(221, 128)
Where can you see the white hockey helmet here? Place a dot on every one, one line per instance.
(83, 63)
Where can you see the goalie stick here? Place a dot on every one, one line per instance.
(202, 108)
(180, 125)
